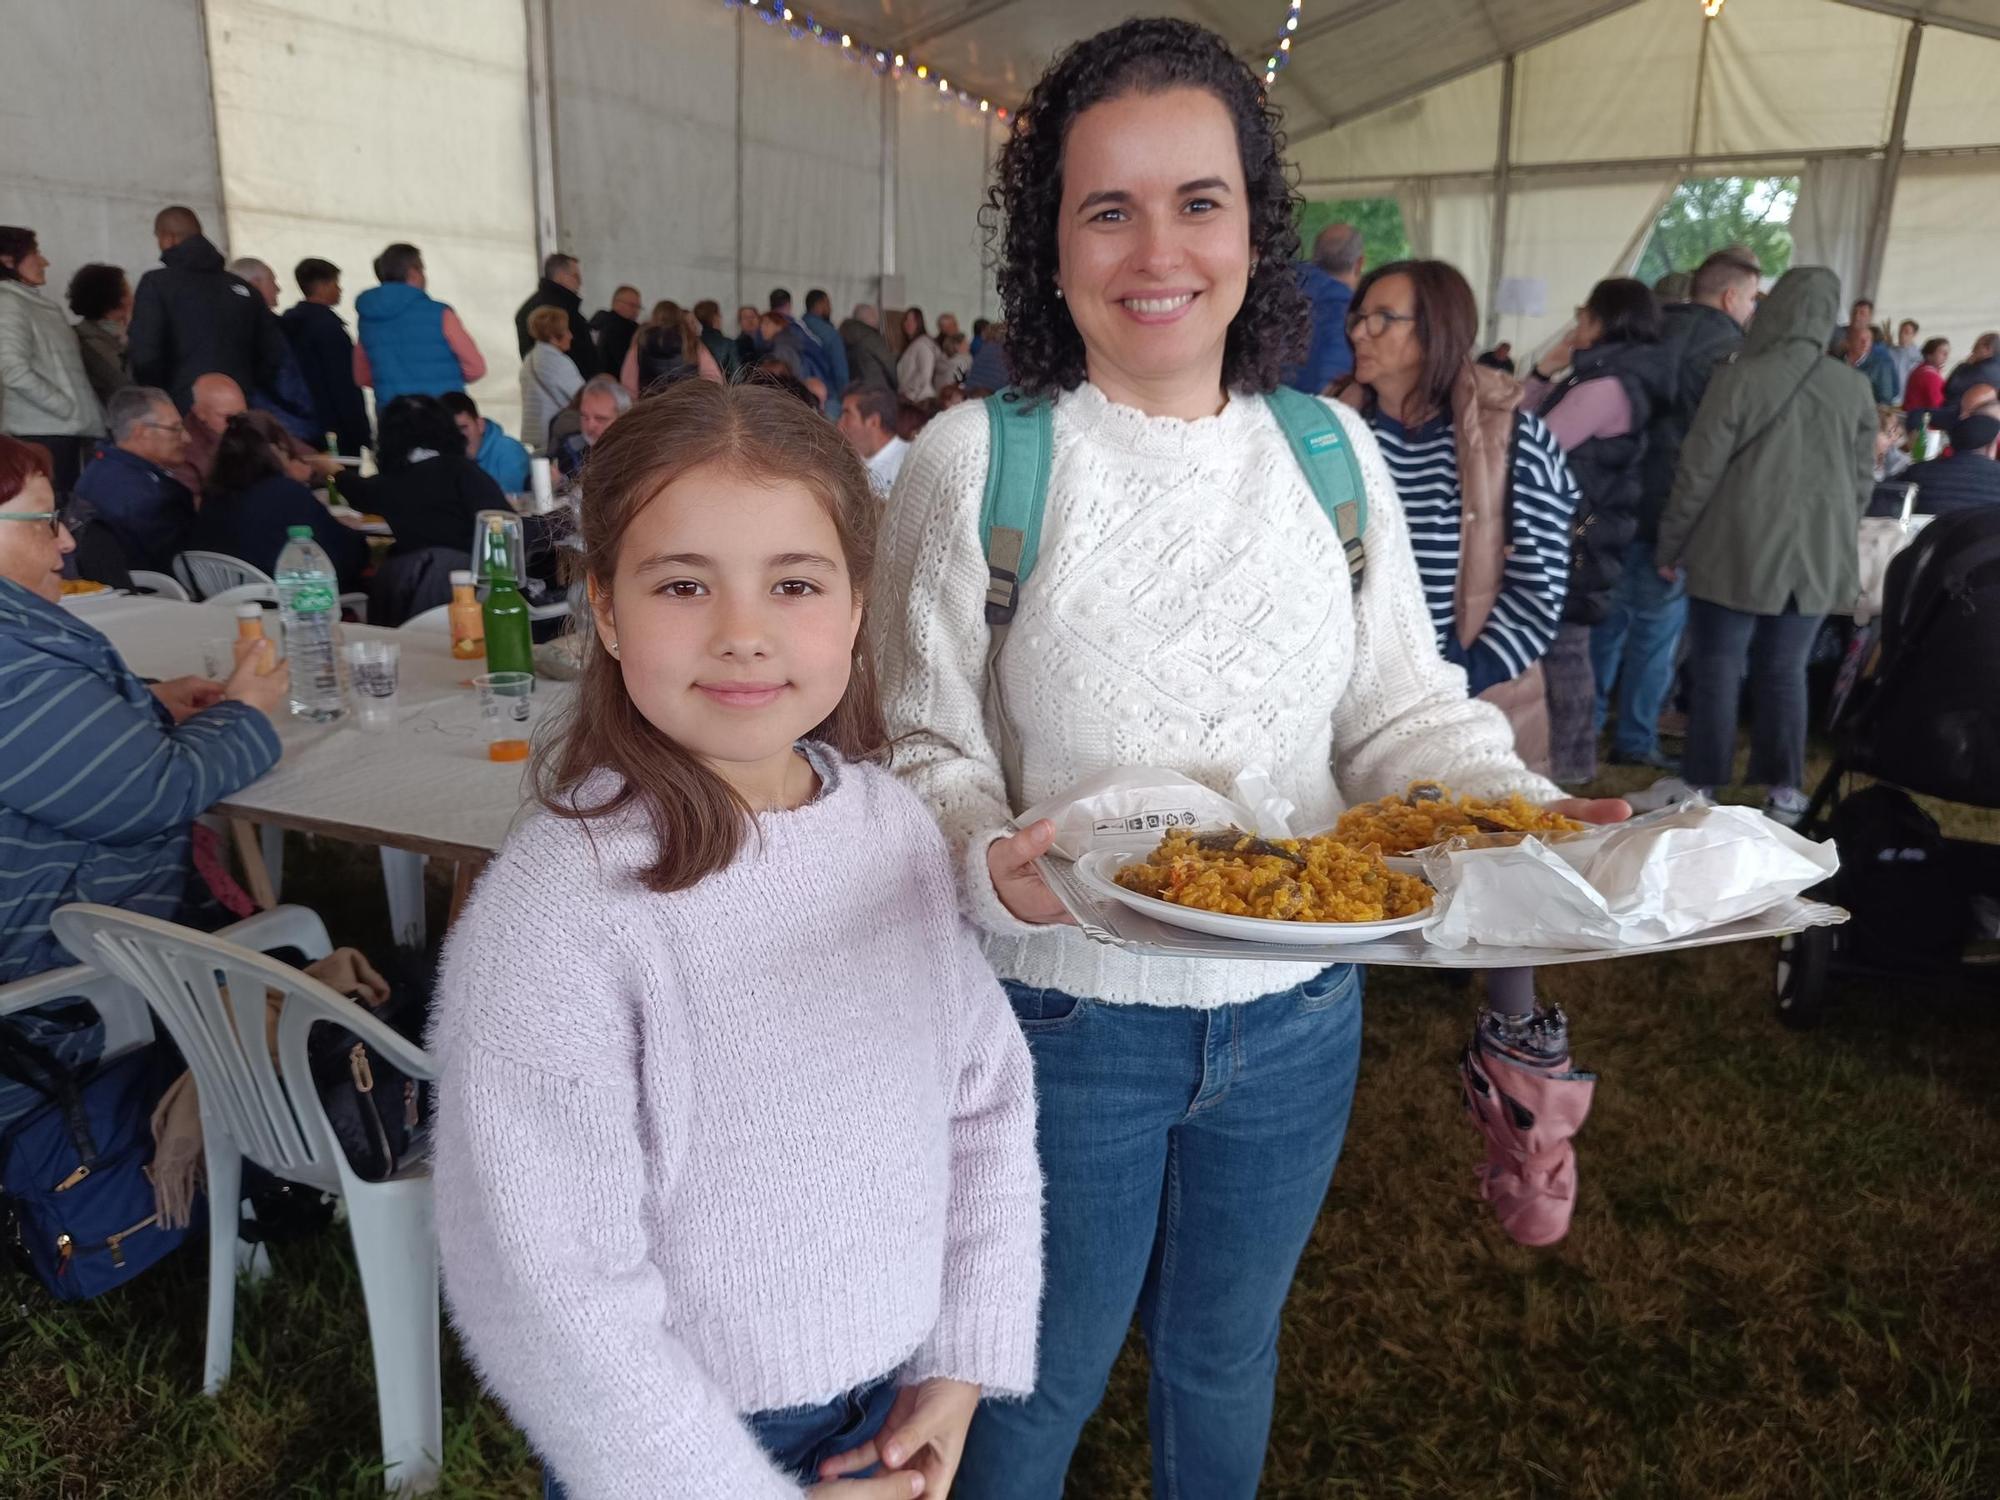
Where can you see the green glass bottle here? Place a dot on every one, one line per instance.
(510, 644)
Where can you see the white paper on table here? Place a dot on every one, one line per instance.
(1134, 807)
(1652, 880)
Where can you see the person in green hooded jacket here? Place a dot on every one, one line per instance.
(1773, 479)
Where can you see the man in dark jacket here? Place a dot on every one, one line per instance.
(1328, 280)
(1969, 477)
(191, 317)
(614, 328)
(869, 361)
(819, 323)
(708, 313)
(326, 356)
(1982, 368)
(129, 488)
(1634, 644)
(562, 286)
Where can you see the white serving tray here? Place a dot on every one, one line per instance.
(1108, 921)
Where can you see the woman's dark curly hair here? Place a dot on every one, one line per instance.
(95, 290)
(1141, 56)
(247, 453)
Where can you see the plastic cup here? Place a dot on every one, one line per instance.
(506, 706)
(218, 657)
(373, 675)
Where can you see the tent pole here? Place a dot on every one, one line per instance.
(890, 130)
(542, 128)
(1502, 178)
(1892, 168)
(739, 157)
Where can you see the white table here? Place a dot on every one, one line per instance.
(423, 788)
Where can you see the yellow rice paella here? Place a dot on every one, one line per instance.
(1281, 880)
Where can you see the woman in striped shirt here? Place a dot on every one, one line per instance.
(101, 774)
(1489, 499)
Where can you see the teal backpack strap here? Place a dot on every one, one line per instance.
(1017, 485)
(1320, 445)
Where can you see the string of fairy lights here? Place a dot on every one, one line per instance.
(1282, 53)
(884, 62)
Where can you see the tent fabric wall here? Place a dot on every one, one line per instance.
(1573, 103)
(1800, 75)
(1954, 102)
(1570, 233)
(316, 162)
(1453, 128)
(629, 76)
(1830, 221)
(1937, 267)
(89, 179)
(941, 159)
(812, 169)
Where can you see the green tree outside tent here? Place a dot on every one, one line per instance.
(1706, 213)
(1380, 221)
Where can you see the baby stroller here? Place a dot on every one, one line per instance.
(1918, 712)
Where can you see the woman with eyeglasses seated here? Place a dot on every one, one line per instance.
(104, 774)
(256, 494)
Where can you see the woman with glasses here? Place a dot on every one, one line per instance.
(1489, 499)
(1192, 609)
(104, 774)
(45, 392)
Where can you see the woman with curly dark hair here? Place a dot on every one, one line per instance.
(1193, 610)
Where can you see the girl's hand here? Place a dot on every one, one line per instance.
(1016, 881)
(925, 1434)
(1592, 809)
(881, 1487)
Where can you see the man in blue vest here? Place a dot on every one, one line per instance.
(1328, 280)
(411, 344)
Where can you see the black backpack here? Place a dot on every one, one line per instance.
(1897, 878)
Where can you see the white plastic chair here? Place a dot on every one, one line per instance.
(159, 585)
(210, 994)
(207, 574)
(218, 578)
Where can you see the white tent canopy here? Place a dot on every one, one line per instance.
(698, 150)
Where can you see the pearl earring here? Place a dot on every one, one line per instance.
(1059, 295)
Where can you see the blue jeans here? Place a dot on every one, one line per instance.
(1720, 642)
(801, 1438)
(1187, 1153)
(1634, 646)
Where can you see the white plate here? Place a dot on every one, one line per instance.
(1095, 870)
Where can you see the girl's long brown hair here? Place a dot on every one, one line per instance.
(698, 819)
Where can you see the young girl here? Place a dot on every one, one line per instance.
(736, 1176)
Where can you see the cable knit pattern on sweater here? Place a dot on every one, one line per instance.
(1190, 610)
(737, 1148)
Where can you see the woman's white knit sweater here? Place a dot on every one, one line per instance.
(1190, 610)
(738, 1148)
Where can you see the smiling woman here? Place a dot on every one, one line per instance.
(1191, 610)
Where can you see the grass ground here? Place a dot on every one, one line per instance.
(1783, 1281)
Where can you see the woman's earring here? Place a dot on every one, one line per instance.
(1059, 295)
(612, 647)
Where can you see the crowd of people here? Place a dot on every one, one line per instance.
(915, 1141)
(137, 400)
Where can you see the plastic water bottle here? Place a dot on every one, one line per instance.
(309, 599)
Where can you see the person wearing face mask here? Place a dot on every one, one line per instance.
(1193, 609)
(1632, 648)
(1598, 411)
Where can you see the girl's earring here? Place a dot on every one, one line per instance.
(1059, 295)
(613, 648)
